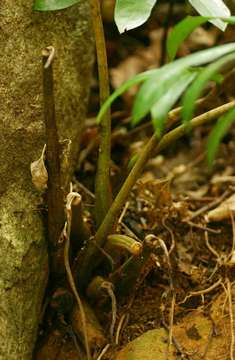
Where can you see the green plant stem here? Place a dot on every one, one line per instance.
(153, 147)
(54, 193)
(166, 26)
(102, 187)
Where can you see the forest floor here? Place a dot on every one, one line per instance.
(182, 303)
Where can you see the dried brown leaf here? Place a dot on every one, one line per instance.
(39, 172)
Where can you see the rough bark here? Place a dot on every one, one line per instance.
(23, 246)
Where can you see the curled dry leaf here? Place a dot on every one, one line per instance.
(39, 172)
(223, 211)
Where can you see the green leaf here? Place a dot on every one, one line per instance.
(204, 56)
(200, 58)
(152, 90)
(184, 28)
(49, 5)
(217, 78)
(181, 31)
(161, 108)
(213, 8)
(217, 134)
(130, 14)
(155, 86)
(195, 90)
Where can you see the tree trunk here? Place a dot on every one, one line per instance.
(24, 263)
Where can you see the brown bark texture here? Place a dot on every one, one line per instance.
(23, 245)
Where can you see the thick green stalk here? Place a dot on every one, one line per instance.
(102, 186)
(154, 146)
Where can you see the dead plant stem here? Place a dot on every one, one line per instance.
(153, 147)
(102, 187)
(54, 193)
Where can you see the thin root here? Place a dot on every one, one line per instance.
(66, 235)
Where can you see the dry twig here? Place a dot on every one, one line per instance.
(201, 227)
(207, 207)
(202, 292)
(123, 321)
(232, 342)
(66, 236)
(108, 286)
(103, 352)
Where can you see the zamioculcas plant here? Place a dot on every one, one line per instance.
(182, 79)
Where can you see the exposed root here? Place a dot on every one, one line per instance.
(202, 292)
(123, 213)
(201, 227)
(103, 352)
(212, 250)
(176, 343)
(123, 321)
(232, 342)
(109, 287)
(209, 206)
(171, 234)
(66, 235)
